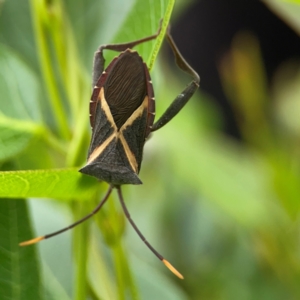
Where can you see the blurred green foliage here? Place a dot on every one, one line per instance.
(224, 213)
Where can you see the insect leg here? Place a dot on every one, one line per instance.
(98, 65)
(185, 95)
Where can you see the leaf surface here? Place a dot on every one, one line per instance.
(19, 266)
(64, 184)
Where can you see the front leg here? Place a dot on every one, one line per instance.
(185, 95)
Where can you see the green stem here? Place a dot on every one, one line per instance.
(67, 56)
(80, 131)
(119, 272)
(81, 241)
(126, 272)
(75, 80)
(124, 277)
(39, 16)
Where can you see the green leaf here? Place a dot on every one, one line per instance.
(13, 30)
(139, 23)
(64, 184)
(19, 87)
(19, 267)
(144, 20)
(15, 136)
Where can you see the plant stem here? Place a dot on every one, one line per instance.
(39, 16)
(81, 241)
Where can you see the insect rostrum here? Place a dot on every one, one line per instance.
(122, 111)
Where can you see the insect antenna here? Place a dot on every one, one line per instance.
(126, 212)
(47, 236)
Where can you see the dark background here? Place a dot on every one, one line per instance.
(204, 33)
